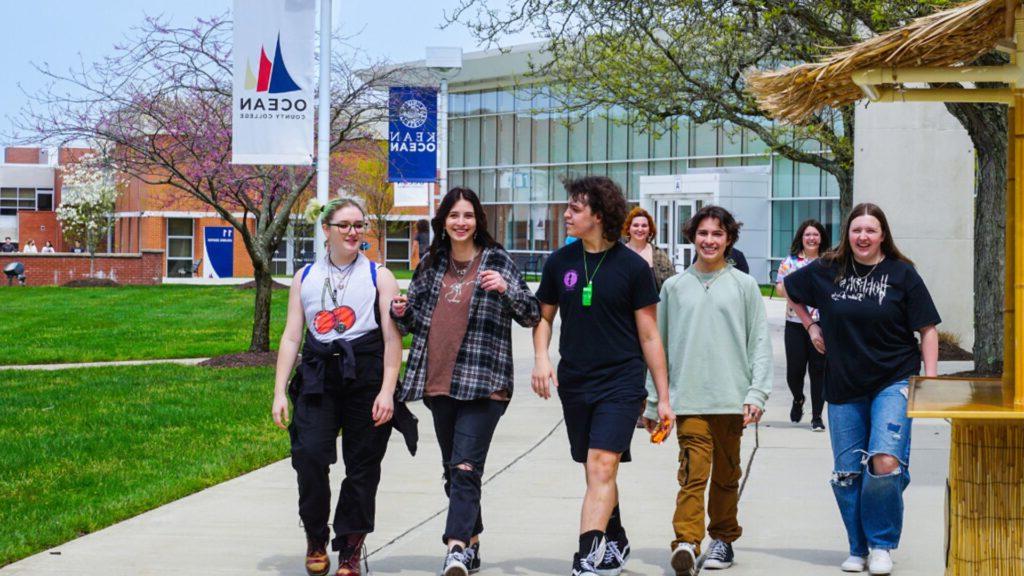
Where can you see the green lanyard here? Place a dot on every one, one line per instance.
(588, 289)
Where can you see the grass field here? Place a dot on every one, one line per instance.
(49, 324)
(57, 325)
(85, 448)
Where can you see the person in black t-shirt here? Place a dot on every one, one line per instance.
(609, 339)
(738, 260)
(871, 302)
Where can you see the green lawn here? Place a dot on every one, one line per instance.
(50, 324)
(83, 449)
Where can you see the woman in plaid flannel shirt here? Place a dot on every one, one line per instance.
(459, 309)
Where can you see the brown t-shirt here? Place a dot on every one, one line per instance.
(448, 329)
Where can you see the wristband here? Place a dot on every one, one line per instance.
(808, 327)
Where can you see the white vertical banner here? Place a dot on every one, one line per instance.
(272, 96)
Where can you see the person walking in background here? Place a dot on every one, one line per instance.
(346, 382)
(605, 295)
(640, 231)
(30, 247)
(871, 302)
(48, 248)
(422, 238)
(738, 260)
(78, 249)
(8, 246)
(460, 306)
(714, 327)
(801, 356)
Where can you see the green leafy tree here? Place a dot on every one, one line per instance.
(666, 58)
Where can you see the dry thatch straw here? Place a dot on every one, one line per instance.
(947, 38)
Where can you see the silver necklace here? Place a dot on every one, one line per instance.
(707, 283)
(853, 263)
(343, 276)
(454, 293)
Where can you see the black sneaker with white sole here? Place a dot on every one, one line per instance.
(616, 552)
(473, 554)
(719, 556)
(817, 425)
(456, 562)
(583, 566)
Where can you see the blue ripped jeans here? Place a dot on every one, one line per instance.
(871, 505)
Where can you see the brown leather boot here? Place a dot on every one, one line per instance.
(318, 563)
(350, 555)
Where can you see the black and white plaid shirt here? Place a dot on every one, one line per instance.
(484, 362)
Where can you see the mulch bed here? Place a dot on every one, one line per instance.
(949, 351)
(91, 283)
(241, 360)
(251, 285)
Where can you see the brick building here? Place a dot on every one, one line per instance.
(30, 191)
(152, 219)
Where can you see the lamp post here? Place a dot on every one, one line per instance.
(323, 152)
(445, 63)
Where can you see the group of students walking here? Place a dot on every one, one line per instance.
(688, 351)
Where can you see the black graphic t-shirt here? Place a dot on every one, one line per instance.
(868, 320)
(599, 344)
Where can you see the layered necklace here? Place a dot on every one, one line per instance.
(453, 294)
(341, 282)
(853, 263)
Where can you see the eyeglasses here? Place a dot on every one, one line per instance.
(344, 227)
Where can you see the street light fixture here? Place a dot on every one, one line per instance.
(445, 63)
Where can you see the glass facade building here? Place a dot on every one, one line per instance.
(514, 146)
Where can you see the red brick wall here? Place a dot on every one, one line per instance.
(21, 155)
(38, 226)
(56, 269)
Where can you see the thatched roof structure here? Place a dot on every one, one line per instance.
(948, 38)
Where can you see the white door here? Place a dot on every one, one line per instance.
(672, 214)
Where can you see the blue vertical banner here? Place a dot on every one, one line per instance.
(412, 134)
(218, 252)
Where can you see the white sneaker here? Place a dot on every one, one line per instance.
(854, 564)
(684, 560)
(879, 562)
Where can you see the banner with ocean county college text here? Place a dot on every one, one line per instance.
(272, 100)
(412, 134)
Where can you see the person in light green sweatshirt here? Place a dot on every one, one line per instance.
(715, 332)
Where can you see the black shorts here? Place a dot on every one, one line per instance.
(607, 423)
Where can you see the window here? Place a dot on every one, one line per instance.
(295, 250)
(506, 138)
(180, 237)
(456, 142)
(8, 201)
(578, 140)
(44, 200)
(396, 252)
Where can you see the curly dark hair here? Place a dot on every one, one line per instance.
(725, 220)
(605, 199)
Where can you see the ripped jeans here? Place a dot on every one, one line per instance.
(464, 430)
(871, 505)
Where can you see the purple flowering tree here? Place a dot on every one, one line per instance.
(162, 104)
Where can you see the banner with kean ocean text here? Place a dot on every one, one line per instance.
(412, 134)
(272, 101)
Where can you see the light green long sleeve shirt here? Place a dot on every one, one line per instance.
(716, 343)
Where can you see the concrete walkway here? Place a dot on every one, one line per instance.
(532, 498)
